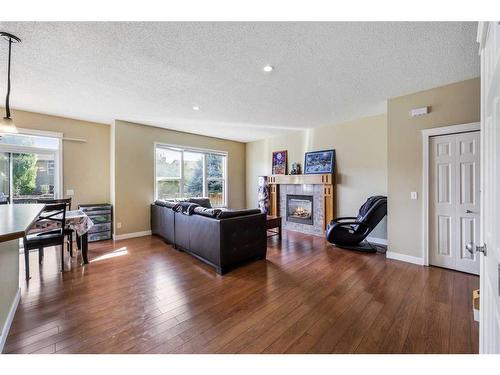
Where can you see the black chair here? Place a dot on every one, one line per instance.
(54, 214)
(67, 231)
(350, 232)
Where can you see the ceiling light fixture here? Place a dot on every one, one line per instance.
(268, 68)
(6, 124)
(196, 108)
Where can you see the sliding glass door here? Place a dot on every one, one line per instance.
(4, 177)
(29, 168)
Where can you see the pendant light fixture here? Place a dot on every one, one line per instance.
(6, 124)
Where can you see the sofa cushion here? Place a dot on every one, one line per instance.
(203, 202)
(226, 214)
(185, 208)
(166, 203)
(209, 212)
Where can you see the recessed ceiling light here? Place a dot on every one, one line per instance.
(268, 68)
(196, 108)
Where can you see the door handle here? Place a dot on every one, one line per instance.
(469, 212)
(479, 249)
(470, 248)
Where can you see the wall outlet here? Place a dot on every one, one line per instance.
(118, 225)
(414, 195)
(70, 192)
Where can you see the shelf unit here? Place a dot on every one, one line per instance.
(101, 215)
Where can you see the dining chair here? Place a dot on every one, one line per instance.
(67, 231)
(51, 214)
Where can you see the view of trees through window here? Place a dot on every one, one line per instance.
(32, 177)
(26, 175)
(183, 173)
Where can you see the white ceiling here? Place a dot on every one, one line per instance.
(154, 73)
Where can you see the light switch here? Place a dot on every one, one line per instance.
(414, 195)
(70, 192)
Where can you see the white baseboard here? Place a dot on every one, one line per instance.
(131, 235)
(405, 258)
(10, 318)
(378, 241)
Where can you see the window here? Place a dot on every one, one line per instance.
(29, 167)
(189, 173)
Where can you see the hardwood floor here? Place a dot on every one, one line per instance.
(142, 296)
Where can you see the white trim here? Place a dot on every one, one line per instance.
(484, 285)
(125, 236)
(378, 241)
(112, 170)
(42, 133)
(191, 149)
(452, 129)
(482, 32)
(426, 134)
(59, 170)
(10, 319)
(404, 258)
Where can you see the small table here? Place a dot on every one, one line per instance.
(81, 224)
(274, 222)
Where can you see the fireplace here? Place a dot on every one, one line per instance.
(299, 209)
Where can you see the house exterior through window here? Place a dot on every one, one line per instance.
(187, 173)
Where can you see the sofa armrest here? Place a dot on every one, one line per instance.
(243, 238)
(162, 222)
(199, 235)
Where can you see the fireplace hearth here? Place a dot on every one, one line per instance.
(299, 209)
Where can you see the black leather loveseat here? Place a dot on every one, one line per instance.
(220, 238)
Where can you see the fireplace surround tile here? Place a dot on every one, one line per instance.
(317, 192)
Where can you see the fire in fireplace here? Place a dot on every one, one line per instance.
(299, 209)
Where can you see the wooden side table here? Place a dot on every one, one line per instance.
(273, 225)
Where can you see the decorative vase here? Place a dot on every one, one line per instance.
(263, 195)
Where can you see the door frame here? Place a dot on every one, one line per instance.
(426, 135)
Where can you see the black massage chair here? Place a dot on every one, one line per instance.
(350, 232)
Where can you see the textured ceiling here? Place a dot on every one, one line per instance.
(154, 73)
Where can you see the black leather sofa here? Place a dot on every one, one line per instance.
(223, 239)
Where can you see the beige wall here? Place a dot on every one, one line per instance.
(259, 154)
(134, 169)
(85, 164)
(361, 153)
(9, 278)
(458, 103)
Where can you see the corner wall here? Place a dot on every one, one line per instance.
(9, 281)
(361, 156)
(134, 170)
(85, 164)
(457, 103)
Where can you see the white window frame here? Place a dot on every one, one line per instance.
(203, 151)
(58, 155)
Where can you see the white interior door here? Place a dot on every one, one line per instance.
(454, 200)
(489, 336)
